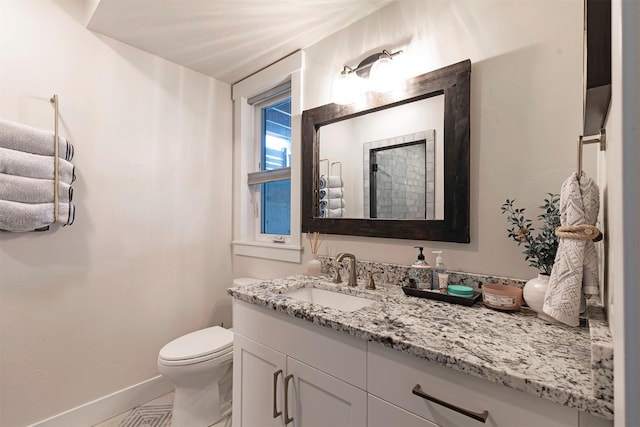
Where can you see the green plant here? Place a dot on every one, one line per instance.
(540, 249)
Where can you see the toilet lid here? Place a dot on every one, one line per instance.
(197, 344)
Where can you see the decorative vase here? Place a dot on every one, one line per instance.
(314, 266)
(533, 293)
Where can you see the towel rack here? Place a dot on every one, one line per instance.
(54, 101)
(339, 164)
(591, 139)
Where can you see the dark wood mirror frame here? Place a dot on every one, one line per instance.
(454, 82)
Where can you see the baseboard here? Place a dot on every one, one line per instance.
(109, 406)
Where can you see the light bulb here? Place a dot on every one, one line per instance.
(346, 88)
(382, 75)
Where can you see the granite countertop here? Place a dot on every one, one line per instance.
(515, 349)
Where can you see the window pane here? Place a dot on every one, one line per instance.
(276, 135)
(275, 196)
(276, 207)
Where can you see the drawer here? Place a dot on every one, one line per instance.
(392, 376)
(335, 353)
(384, 414)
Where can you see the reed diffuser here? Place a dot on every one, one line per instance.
(314, 265)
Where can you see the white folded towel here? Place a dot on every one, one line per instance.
(575, 270)
(336, 213)
(336, 203)
(335, 193)
(332, 181)
(17, 136)
(14, 162)
(331, 193)
(15, 216)
(331, 203)
(32, 190)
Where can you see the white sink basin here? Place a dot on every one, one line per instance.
(330, 299)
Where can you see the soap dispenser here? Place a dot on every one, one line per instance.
(440, 276)
(420, 271)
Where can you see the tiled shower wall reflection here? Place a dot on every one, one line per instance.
(402, 172)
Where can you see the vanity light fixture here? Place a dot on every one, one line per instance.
(376, 72)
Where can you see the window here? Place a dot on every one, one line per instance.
(266, 184)
(275, 155)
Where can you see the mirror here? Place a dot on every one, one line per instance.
(398, 150)
(394, 166)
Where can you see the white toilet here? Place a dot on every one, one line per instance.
(200, 366)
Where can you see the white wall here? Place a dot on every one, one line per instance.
(526, 112)
(85, 309)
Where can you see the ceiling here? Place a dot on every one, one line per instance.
(225, 39)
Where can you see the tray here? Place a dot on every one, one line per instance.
(454, 299)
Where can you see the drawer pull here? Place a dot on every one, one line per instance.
(287, 420)
(276, 413)
(482, 417)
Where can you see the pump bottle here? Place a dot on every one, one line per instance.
(438, 268)
(420, 271)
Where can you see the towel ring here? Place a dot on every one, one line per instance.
(579, 232)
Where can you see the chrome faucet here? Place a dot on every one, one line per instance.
(353, 281)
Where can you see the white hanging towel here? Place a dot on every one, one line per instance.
(336, 203)
(336, 193)
(15, 216)
(575, 271)
(332, 181)
(331, 193)
(336, 213)
(16, 136)
(32, 190)
(18, 163)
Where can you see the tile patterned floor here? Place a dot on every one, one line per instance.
(156, 413)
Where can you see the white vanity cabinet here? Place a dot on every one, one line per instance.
(292, 368)
(273, 387)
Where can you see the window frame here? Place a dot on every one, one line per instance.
(246, 159)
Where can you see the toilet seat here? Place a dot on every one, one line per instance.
(217, 358)
(197, 347)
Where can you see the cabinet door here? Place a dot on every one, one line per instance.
(258, 376)
(316, 399)
(384, 414)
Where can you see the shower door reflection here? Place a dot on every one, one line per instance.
(401, 177)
